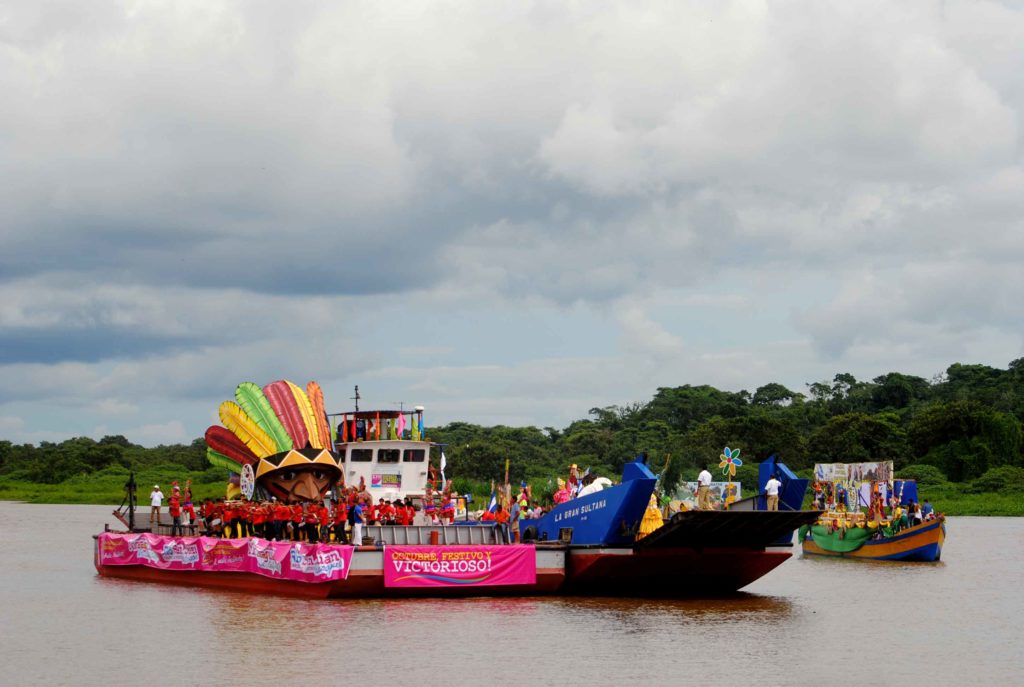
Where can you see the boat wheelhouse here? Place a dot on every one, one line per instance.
(384, 449)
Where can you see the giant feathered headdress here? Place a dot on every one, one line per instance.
(276, 427)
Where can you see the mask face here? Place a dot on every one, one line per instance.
(304, 483)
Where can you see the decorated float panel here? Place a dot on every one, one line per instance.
(851, 486)
(275, 441)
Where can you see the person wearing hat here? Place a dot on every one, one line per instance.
(156, 499)
(561, 495)
(574, 480)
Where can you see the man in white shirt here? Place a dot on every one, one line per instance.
(704, 490)
(156, 499)
(771, 488)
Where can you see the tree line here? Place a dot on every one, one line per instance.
(958, 425)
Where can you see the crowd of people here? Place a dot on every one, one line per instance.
(179, 507)
(342, 514)
(340, 517)
(329, 520)
(890, 512)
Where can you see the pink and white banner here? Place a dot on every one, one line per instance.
(453, 566)
(281, 560)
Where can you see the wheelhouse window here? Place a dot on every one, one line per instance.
(361, 455)
(414, 455)
(388, 455)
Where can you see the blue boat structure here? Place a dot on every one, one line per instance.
(694, 553)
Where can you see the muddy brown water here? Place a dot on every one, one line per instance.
(812, 621)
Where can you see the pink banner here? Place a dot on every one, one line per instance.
(452, 566)
(281, 560)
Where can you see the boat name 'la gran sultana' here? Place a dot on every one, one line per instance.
(586, 508)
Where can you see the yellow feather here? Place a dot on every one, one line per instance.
(302, 400)
(316, 402)
(246, 429)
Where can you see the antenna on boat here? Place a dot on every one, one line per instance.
(401, 405)
(356, 398)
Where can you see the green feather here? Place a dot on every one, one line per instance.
(256, 406)
(219, 460)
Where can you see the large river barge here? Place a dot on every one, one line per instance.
(587, 545)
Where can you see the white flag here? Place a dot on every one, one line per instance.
(444, 461)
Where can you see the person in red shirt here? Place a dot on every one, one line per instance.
(296, 521)
(501, 517)
(269, 514)
(340, 520)
(386, 513)
(242, 518)
(259, 520)
(324, 521)
(174, 508)
(206, 513)
(400, 516)
(282, 513)
(312, 522)
(374, 512)
(229, 520)
(217, 518)
(410, 511)
(447, 509)
(187, 506)
(487, 516)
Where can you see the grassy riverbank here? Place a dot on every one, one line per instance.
(107, 486)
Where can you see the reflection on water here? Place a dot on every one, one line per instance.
(953, 622)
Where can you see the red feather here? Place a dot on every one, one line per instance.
(282, 400)
(223, 441)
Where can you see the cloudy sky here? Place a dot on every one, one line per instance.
(506, 212)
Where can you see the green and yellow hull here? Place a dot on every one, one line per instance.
(918, 543)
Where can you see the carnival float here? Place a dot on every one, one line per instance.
(865, 516)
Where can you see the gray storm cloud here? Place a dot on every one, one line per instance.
(188, 185)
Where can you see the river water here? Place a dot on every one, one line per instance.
(810, 622)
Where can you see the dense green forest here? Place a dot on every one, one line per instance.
(962, 427)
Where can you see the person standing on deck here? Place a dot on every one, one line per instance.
(501, 517)
(704, 490)
(340, 521)
(156, 499)
(771, 489)
(189, 507)
(357, 524)
(174, 508)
